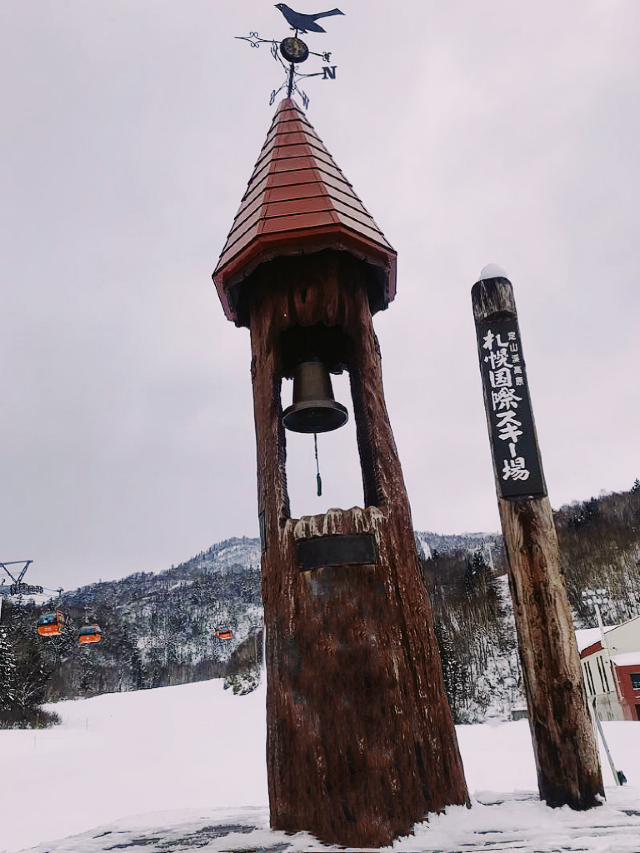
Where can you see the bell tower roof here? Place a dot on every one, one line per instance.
(298, 202)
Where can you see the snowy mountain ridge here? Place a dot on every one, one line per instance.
(160, 629)
(428, 542)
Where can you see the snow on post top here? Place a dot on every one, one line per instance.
(492, 271)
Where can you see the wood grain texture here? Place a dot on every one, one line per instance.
(360, 740)
(564, 742)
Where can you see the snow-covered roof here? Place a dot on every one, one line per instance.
(586, 637)
(628, 659)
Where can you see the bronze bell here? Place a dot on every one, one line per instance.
(314, 408)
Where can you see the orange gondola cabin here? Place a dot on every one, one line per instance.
(89, 634)
(223, 633)
(51, 624)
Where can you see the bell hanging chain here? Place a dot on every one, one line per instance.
(318, 477)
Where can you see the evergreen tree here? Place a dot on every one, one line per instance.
(133, 658)
(452, 669)
(636, 486)
(243, 682)
(7, 676)
(588, 513)
(479, 580)
(30, 687)
(32, 671)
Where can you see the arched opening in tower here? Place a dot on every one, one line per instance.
(338, 462)
(319, 414)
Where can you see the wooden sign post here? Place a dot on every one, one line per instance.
(360, 740)
(563, 738)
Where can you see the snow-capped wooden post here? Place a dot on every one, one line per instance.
(563, 738)
(360, 739)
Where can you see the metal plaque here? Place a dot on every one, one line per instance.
(263, 532)
(514, 445)
(338, 550)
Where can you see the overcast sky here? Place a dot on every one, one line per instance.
(474, 131)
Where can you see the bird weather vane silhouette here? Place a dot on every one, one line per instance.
(292, 51)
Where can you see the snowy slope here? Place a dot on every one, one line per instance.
(159, 629)
(176, 764)
(430, 541)
(124, 753)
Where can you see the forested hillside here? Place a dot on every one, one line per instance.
(599, 547)
(159, 629)
(476, 635)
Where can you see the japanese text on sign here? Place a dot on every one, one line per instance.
(515, 450)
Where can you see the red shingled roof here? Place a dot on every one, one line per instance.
(592, 649)
(297, 201)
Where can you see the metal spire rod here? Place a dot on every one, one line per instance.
(291, 83)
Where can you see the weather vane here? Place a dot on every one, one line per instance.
(292, 51)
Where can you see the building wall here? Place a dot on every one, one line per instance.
(600, 684)
(600, 674)
(625, 638)
(631, 695)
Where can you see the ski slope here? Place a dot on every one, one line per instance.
(183, 768)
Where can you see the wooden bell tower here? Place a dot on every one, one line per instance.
(360, 740)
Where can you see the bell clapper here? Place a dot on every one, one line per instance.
(318, 477)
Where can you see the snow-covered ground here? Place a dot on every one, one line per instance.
(183, 768)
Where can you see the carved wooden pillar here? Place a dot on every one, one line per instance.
(564, 742)
(360, 740)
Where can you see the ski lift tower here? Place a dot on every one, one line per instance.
(17, 586)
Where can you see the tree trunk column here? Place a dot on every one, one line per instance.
(564, 742)
(360, 740)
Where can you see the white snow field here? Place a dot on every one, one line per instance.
(183, 768)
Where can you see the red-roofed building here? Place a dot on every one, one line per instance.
(612, 674)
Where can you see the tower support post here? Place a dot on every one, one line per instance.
(564, 744)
